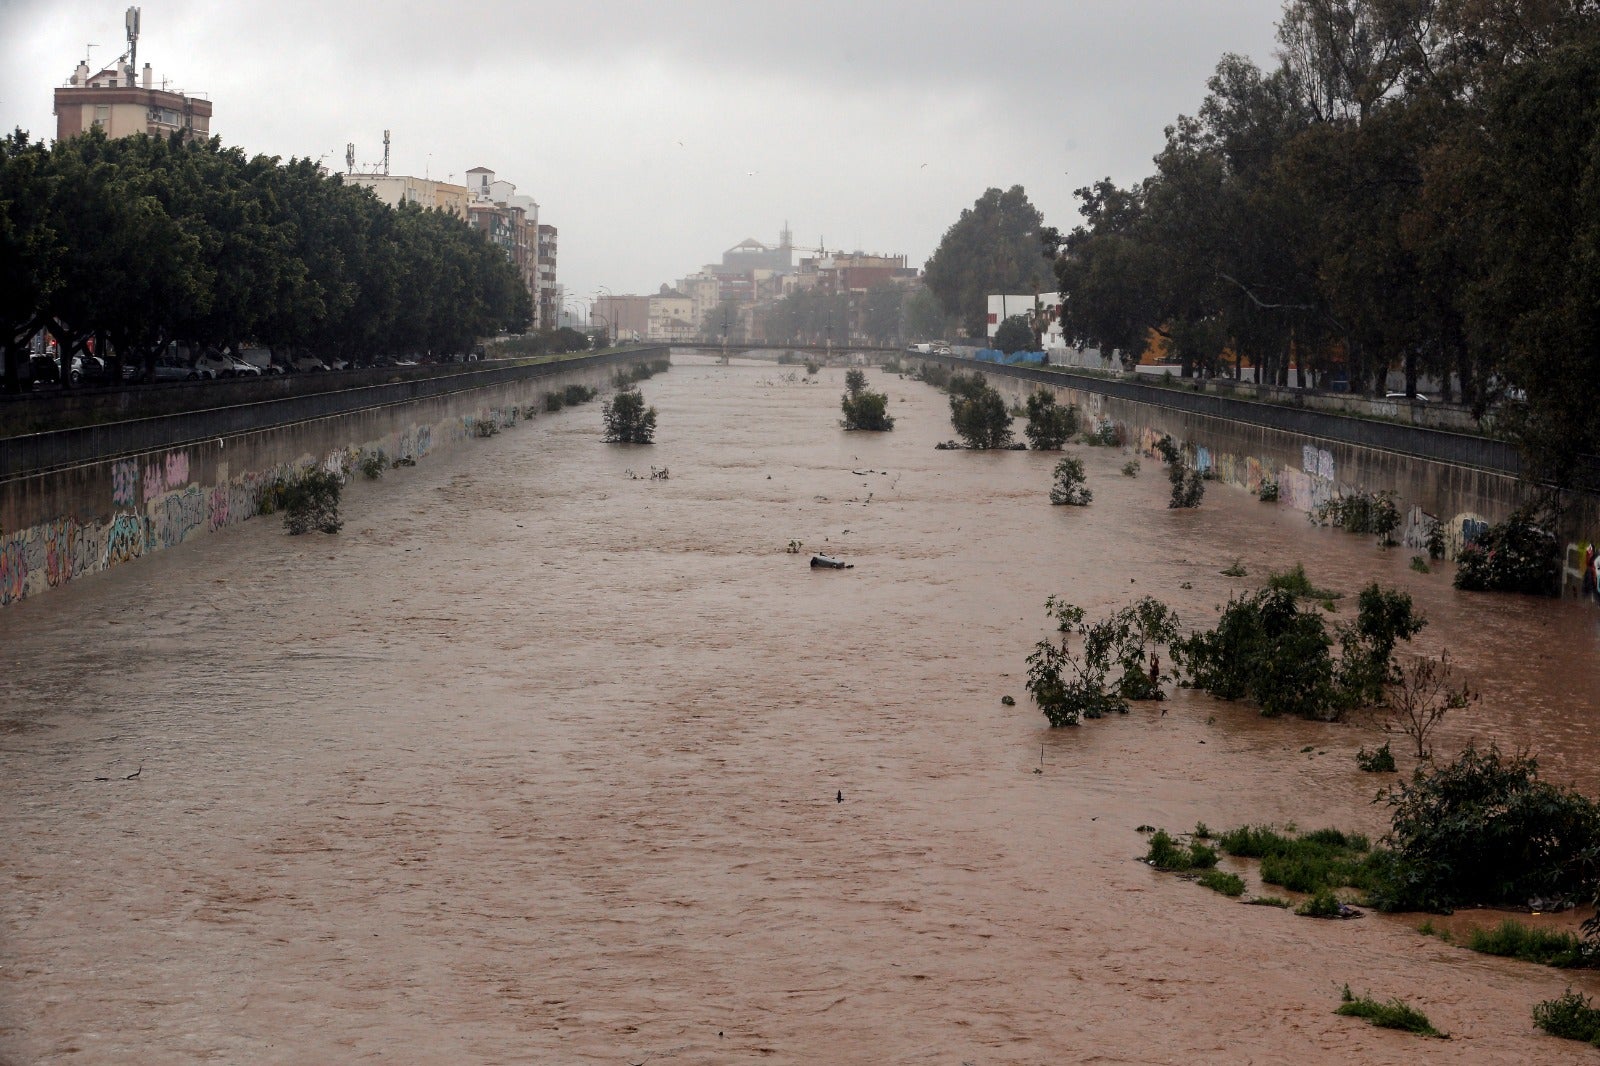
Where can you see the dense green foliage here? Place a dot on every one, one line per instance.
(1014, 335)
(1068, 487)
(1225, 883)
(1410, 184)
(1362, 512)
(1050, 425)
(1318, 861)
(1112, 664)
(866, 410)
(1169, 854)
(993, 247)
(139, 241)
(978, 412)
(1377, 761)
(1569, 1016)
(1486, 829)
(1514, 556)
(627, 419)
(1269, 649)
(310, 500)
(1188, 486)
(1513, 940)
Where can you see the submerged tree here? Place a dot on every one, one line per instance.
(1069, 487)
(627, 419)
(1115, 660)
(1050, 425)
(978, 412)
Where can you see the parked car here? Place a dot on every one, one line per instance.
(306, 364)
(43, 369)
(1420, 398)
(333, 362)
(242, 369)
(215, 364)
(89, 368)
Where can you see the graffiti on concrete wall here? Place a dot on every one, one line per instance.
(125, 483)
(175, 516)
(157, 504)
(125, 539)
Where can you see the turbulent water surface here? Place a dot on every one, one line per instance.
(536, 762)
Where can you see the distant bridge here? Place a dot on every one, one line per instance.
(819, 349)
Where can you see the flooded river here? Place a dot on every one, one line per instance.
(537, 763)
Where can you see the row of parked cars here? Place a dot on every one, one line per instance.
(178, 364)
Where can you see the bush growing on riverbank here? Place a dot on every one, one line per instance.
(310, 500)
(1570, 1017)
(627, 419)
(1188, 486)
(1513, 940)
(1513, 556)
(1362, 512)
(1050, 425)
(1486, 829)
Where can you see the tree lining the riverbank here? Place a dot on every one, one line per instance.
(127, 245)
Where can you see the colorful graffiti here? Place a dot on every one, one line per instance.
(125, 539)
(175, 516)
(125, 483)
(13, 570)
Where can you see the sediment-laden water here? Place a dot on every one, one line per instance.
(539, 763)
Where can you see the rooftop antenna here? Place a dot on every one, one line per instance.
(386, 153)
(350, 158)
(131, 20)
(88, 52)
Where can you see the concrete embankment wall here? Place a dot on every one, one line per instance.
(1461, 481)
(78, 501)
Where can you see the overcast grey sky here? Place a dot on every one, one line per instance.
(654, 135)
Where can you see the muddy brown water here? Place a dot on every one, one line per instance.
(539, 763)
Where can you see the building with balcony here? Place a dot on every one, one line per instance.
(547, 297)
(123, 105)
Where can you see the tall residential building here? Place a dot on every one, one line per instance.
(512, 222)
(123, 106)
(548, 296)
(627, 317)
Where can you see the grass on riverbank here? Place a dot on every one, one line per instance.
(1394, 1014)
(1513, 940)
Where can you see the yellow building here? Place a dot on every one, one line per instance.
(395, 189)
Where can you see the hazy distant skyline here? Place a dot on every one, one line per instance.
(654, 136)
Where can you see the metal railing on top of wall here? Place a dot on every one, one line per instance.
(1483, 453)
(34, 453)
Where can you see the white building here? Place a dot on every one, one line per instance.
(1045, 305)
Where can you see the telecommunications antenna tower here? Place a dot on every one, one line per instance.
(386, 153)
(131, 20)
(350, 158)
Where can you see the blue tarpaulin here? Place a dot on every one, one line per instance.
(995, 355)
